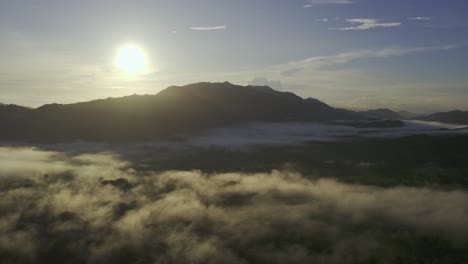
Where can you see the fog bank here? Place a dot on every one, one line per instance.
(94, 208)
(296, 133)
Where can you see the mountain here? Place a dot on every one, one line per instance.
(12, 110)
(454, 117)
(408, 115)
(175, 110)
(12, 113)
(382, 113)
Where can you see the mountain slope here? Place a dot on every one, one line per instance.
(455, 117)
(12, 116)
(177, 109)
(382, 113)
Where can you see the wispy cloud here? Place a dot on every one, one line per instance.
(294, 67)
(327, 2)
(367, 23)
(209, 28)
(419, 18)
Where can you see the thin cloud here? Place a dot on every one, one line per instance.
(209, 28)
(367, 23)
(419, 18)
(294, 67)
(327, 2)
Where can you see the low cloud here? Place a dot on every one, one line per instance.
(255, 134)
(209, 28)
(265, 82)
(367, 23)
(97, 209)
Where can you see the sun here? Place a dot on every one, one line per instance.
(132, 59)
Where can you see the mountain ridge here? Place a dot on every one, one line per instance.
(383, 113)
(455, 117)
(173, 111)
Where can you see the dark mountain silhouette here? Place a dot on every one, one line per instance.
(382, 113)
(11, 111)
(175, 110)
(12, 114)
(455, 117)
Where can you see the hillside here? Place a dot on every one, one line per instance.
(454, 117)
(382, 113)
(177, 109)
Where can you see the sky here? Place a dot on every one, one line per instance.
(358, 54)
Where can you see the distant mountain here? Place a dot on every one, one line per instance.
(455, 117)
(382, 113)
(175, 110)
(12, 113)
(408, 115)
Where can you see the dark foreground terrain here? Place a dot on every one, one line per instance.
(419, 160)
(400, 200)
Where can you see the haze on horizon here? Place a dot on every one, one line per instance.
(358, 54)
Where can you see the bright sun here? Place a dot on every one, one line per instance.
(131, 59)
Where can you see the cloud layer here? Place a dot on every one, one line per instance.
(254, 134)
(94, 208)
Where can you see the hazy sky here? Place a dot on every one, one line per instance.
(402, 54)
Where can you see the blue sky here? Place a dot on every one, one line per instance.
(402, 54)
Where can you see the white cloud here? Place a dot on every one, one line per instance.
(100, 210)
(321, 61)
(322, 19)
(419, 18)
(327, 2)
(209, 28)
(261, 81)
(367, 23)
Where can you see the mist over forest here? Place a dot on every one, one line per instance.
(188, 176)
(296, 182)
(234, 132)
(96, 208)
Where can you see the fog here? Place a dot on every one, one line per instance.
(296, 133)
(250, 135)
(94, 208)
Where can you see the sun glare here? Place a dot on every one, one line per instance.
(131, 59)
